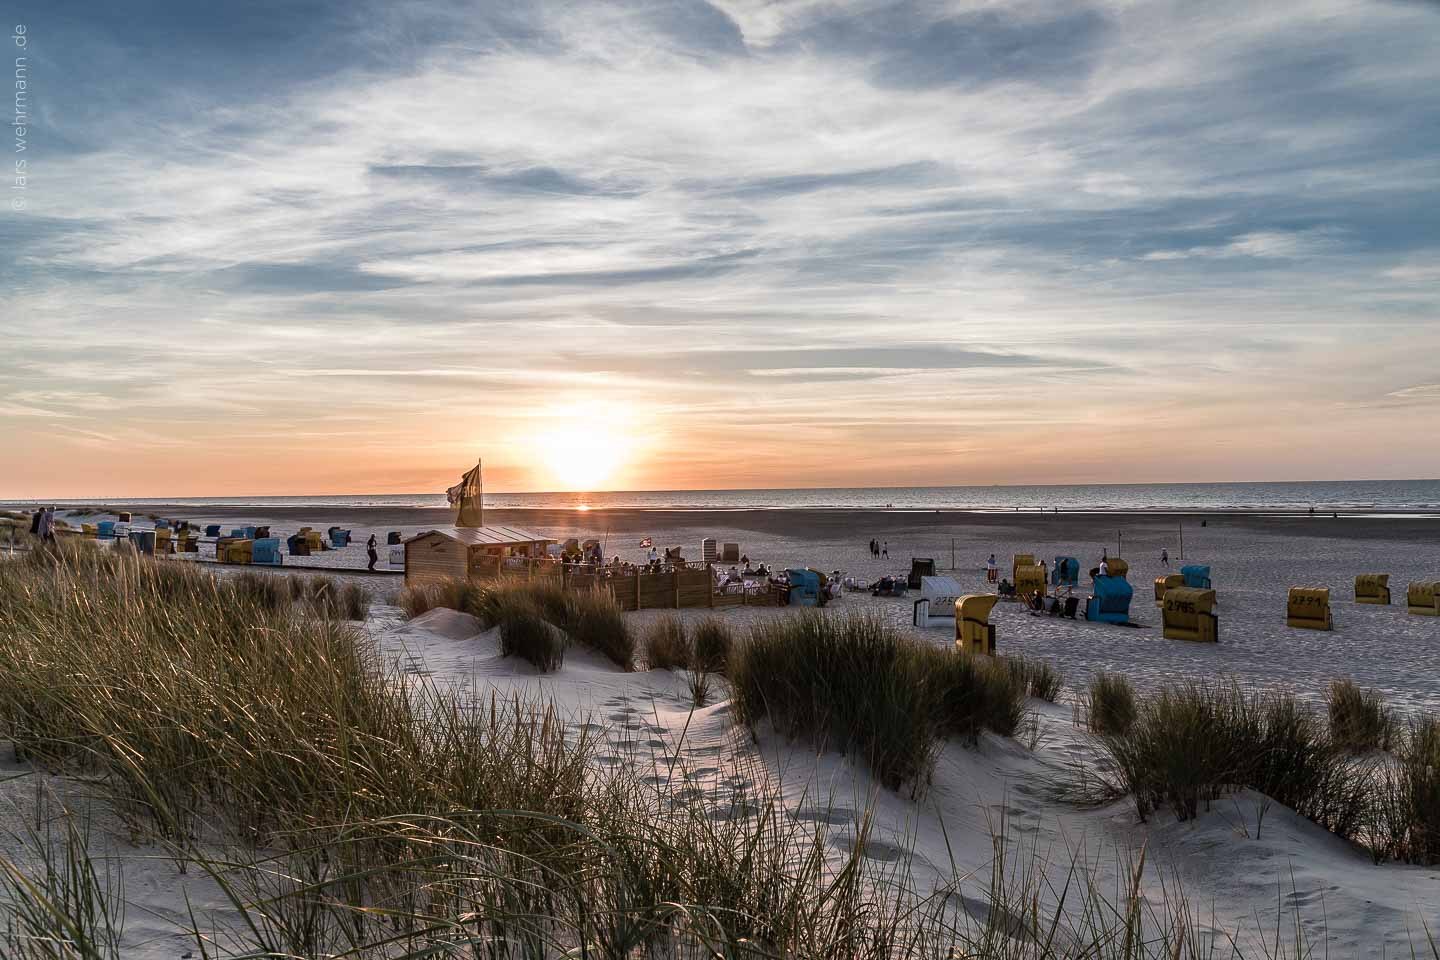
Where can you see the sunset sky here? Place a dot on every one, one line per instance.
(268, 248)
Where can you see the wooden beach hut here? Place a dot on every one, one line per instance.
(465, 552)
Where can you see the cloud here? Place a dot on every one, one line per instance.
(849, 211)
(1262, 245)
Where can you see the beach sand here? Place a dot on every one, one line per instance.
(1253, 560)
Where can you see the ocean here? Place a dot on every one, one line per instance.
(1400, 497)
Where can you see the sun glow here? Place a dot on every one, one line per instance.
(584, 451)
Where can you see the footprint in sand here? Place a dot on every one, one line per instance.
(877, 850)
(701, 773)
(834, 816)
(656, 743)
(621, 716)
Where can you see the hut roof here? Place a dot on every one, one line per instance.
(485, 536)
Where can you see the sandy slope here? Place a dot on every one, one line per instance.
(1232, 863)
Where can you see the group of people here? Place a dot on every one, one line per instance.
(879, 548)
(42, 524)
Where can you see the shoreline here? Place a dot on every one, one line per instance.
(821, 522)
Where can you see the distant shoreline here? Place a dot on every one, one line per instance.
(809, 523)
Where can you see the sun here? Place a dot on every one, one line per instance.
(583, 455)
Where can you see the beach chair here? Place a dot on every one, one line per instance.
(266, 550)
(1422, 598)
(339, 538)
(314, 540)
(1188, 614)
(1372, 588)
(974, 633)
(1066, 572)
(730, 553)
(1110, 601)
(1020, 560)
(1030, 581)
(1197, 576)
(163, 542)
(708, 553)
(187, 542)
(392, 539)
(212, 530)
(298, 545)
(89, 530)
(1167, 582)
(1309, 608)
(920, 568)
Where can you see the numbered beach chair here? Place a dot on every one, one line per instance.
(1423, 598)
(974, 633)
(1030, 581)
(1188, 614)
(1309, 608)
(1373, 588)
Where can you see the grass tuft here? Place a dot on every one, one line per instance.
(1038, 678)
(1359, 720)
(714, 642)
(1111, 701)
(667, 646)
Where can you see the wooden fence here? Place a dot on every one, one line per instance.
(685, 584)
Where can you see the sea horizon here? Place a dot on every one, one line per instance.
(1417, 496)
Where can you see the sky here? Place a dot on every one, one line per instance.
(305, 247)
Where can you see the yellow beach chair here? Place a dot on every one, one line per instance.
(1018, 561)
(1029, 580)
(1168, 582)
(974, 633)
(1373, 588)
(1423, 598)
(1309, 608)
(89, 530)
(1189, 615)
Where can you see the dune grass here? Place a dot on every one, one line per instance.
(1193, 742)
(1359, 720)
(1110, 704)
(1038, 678)
(854, 684)
(1409, 814)
(596, 621)
(466, 596)
(190, 698)
(713, 641)
(667, 645)
(526, 634)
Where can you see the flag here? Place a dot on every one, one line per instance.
(468, 495)
(647, 542)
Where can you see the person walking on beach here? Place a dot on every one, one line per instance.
(1104, 567)
(370, 552)
(46, 530)
(991, 571)
(1165, 556)
(885, 549)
